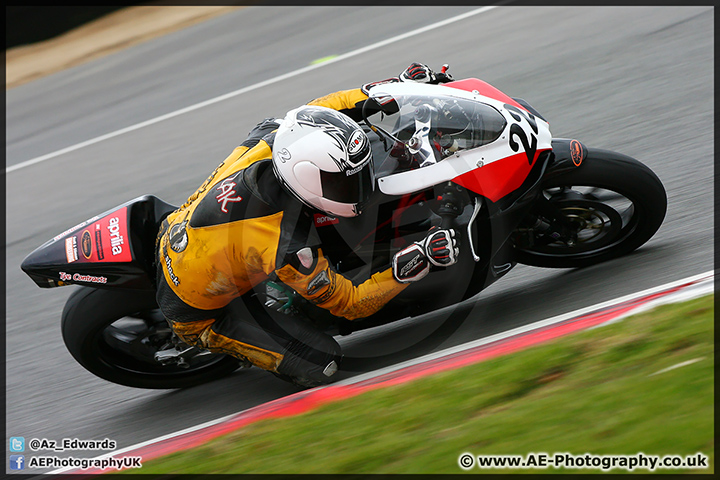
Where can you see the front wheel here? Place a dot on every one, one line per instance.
(117, 334)
(607, 207)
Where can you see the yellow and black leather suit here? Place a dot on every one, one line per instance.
(238, 230)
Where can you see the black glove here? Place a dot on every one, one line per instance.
(413, 263)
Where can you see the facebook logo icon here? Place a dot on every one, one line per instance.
(17, 444)
(17, 462)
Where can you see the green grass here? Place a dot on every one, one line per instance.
(591, 392)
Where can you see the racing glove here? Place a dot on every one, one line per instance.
(441, 247)
(413, 262)
(420, 73)
(417, 72)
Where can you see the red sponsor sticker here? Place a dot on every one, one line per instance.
(105, 240)
(322, 220)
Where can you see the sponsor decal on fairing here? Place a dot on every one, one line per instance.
(105, 240)
(116, 239)
(86, 244)
(79, 277)
(71, 250)
(99, 243)
(576, 152)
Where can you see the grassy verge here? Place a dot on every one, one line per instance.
(597, 391)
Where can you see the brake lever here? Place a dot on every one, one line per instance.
(442, 76)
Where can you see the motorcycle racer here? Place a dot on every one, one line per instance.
(252, 221)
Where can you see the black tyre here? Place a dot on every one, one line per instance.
(114, 334)
(614, 203)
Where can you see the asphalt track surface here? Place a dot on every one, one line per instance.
(638, 80)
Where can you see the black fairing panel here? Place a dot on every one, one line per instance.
(568, 154)
(114, 249)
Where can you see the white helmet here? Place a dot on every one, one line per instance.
(323, 157)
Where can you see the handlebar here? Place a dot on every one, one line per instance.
(451, 205)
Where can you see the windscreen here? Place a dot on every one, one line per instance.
(419, 130)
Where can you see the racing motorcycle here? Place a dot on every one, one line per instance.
(461, 154)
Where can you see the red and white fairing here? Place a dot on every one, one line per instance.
(493, 170)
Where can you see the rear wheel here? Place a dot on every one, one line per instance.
(116, 334)
(607, 207)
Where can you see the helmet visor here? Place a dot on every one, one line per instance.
(350, 189)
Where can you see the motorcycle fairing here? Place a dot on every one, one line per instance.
(494, 169)
(485, 89)
(113, 249)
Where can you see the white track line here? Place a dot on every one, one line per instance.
(704, 284)
(250, 88)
